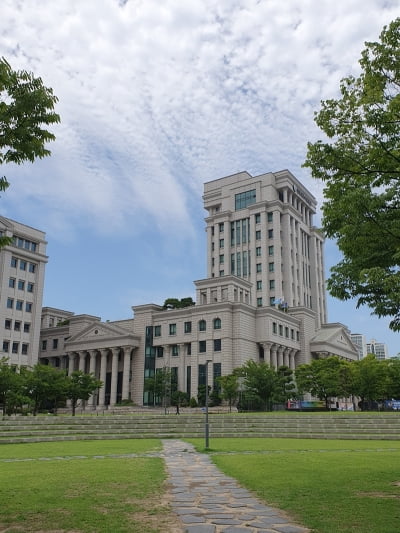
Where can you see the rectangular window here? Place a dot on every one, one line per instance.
(270, 250)
(202, 325)
(160, 351)
(22, 265)
(238, 264)
(11, 283)
(221, 259)
(244, 199)
(212, 246)
(188, 327)
(189, 348)
(172, 329)
(221, 243)
(55, 344)
(10, 303)
(29, 286)
(258, 251)
(270, 234)
(15, 346)
(259, 302)
(32, 267)
(232, 263)
(14, 262)
(257, 218)
(24, 348)
(44, 345)
(259, 285)
(271, 267)
(292, 334)
(217, 345)
(27, 327)
(28, 307)
(270, 217)
(17, 325)
(221, 227)
(21, 285)
(6, 346)
(280, 329)
(157, 331)
(286, 332)
(244, 230)
(258, 267)
(258, 235)
(7, 323)
(238, 232)
(175, 351)
(274, 327)
(222, 273)
(232, 234)
(244, 264)
(19, 305)
(202, 346)
(272, 300)
(212, 231)
(272, 284)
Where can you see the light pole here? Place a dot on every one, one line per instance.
(207, 427)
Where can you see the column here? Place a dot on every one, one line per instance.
(267, 352)
(71, 362)
(280, 356)
(114, 376)
(92, 370)
(181, 367)
(103, 373)
(126, 372)
(82, 361)
(286, 353)
(274, 360)
(292, 360)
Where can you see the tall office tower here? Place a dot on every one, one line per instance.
(360, 343)
(260, 229)
(22, 268)
(379, 349)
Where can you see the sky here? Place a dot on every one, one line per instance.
(156, 98)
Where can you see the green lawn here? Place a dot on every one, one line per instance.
(330, 486)
(83, 495)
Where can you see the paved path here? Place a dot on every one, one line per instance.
(207, 501)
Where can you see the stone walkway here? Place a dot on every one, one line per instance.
(208, 501)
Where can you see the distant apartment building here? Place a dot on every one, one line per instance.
(379, 349)
(360, 343)
(22, 269)
(263, 300)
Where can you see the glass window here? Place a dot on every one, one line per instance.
(272, 284)
(29, 286)
(27, 327)
(17, 325)
(22, 265)
(238, 264)
(272, 300)
(258, 251)
(172, 329)
(202, 346)
(21, 284)
(257, 217)
(175, 351)
(221, 243)
(157, 331)
(222, 273)
(259, 285)
(292, 334)
(28, 307)
(217, 345)
(202, 325)
(11, 283)
(270, 250)
(19, 305)
(32, 267)
(10, 303)
(286, 332)
(221, 258)
(160, 351)
(271, 267)
(270, 217)
(212, 231)
(189, 348)
(274, 327)
(232, 263)
(280, 329)
(258, 267)
(244, 199)
(221, 227)
(258, 235)
(15, 346)
(14, 262)
(212, 246)
(270, 234)
(24, 349)
(44, 345)
(217, 323)
(55, 344)
(6, 346)
(259, 302)
(7, 323)
(188, 327)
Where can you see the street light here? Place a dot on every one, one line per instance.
(207, 427)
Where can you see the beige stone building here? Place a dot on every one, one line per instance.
(22, 265)
(263, 299)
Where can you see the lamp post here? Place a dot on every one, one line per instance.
(207, 427)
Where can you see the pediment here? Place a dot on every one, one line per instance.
(334, 339)
(101, 332)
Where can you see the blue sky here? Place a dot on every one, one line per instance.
(155, 99)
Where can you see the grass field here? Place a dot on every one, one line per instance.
(330, 486)
(82, 487)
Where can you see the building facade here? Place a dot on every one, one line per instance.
(379, 349)
(263, 299)
(22, 265)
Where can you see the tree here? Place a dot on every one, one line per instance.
(393, 379)
(230, 388)
(285, 386)
(369, 377)
(323, 378)
(360, 166)
(45, 386)
(160, 386)
(175, 303)
(8, 384)
(80, 387)
(260, 382)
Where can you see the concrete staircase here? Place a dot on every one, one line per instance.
(382, 426)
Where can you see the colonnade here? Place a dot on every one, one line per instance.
(277, 355)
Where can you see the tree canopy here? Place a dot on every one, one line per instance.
(359, 163)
